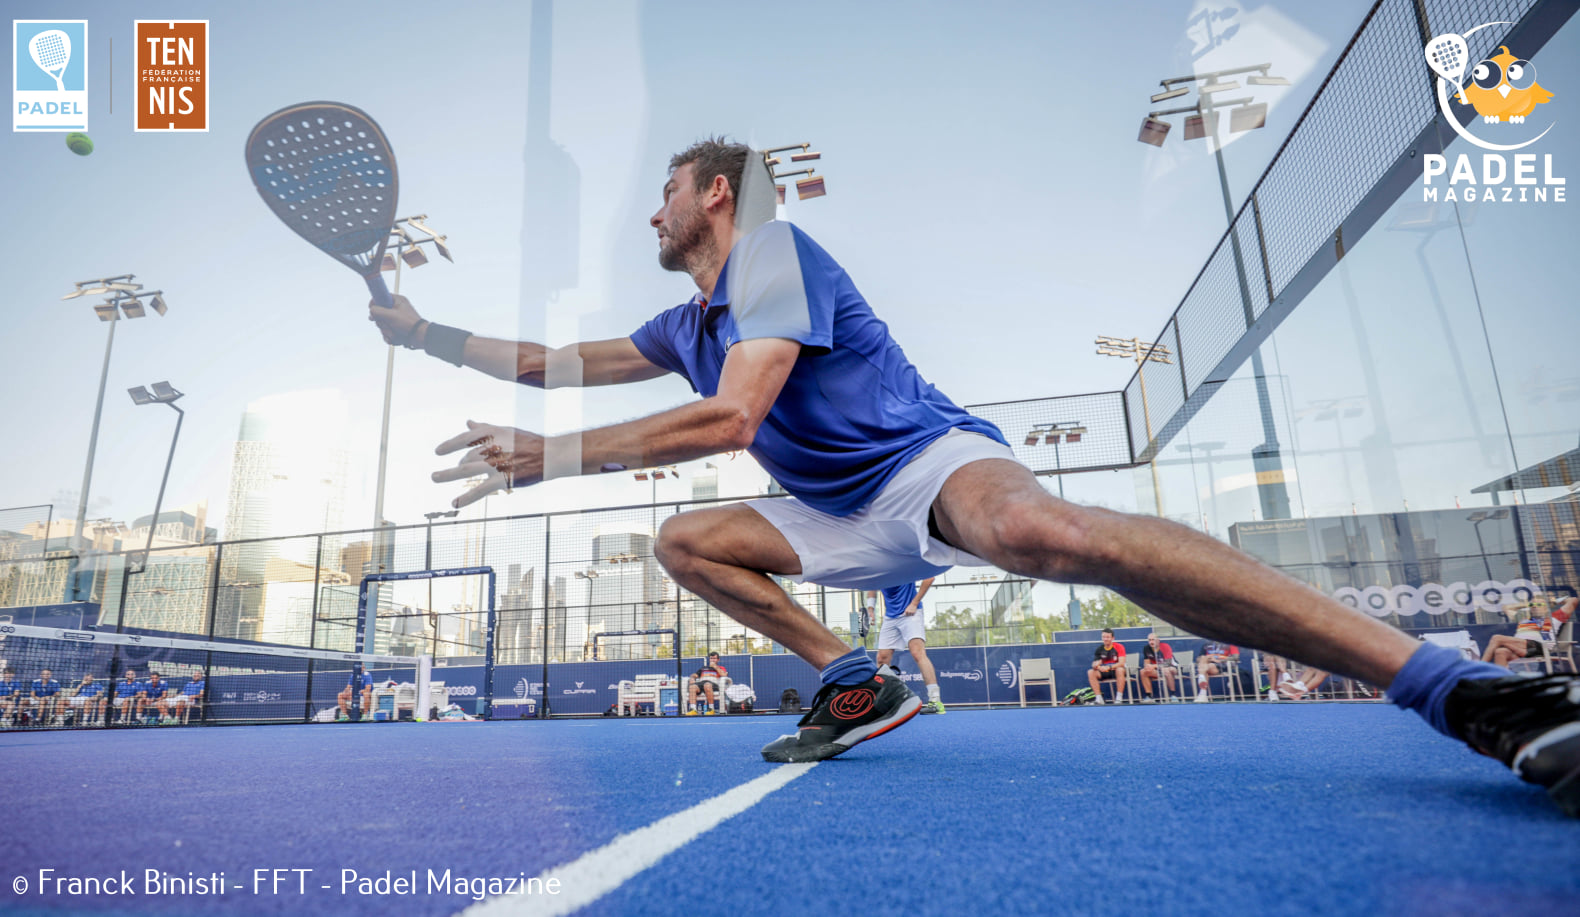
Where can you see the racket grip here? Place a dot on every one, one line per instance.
(381, 293)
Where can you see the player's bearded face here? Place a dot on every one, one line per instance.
(683, 236)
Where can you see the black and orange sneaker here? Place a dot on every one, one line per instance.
(844, 715)
(1531, 724)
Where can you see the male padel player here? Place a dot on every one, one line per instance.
(904, 629)
(891, 481)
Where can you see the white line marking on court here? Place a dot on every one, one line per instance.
(595, 874)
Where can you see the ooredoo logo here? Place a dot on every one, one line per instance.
(851, 704)
(1503, 93)
(1437, 599)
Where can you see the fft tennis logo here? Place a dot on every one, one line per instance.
(171, 86)
(1502, 90)
(49, 75)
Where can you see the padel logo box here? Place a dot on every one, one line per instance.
(170, 90)
(49, 75)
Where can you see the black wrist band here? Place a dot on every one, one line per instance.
(446, 343)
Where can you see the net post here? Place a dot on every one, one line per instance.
(115, 677)
(424, 688)
(548, 528)
(355, 713)
(488, 651)
(307, 700)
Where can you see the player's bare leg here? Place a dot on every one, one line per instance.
(725, 555)
(997, 510)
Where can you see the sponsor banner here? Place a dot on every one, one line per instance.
(1437, 599)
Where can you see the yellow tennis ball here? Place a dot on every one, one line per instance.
(79, 143)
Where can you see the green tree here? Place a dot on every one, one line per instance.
(1110, 609)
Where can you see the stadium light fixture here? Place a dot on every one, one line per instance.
(1214, 86)
(806, 188)
(157, 302)
(106, 311)
(414, 257)
(1247, 117)
(1154, 130)
(1167, 94)
(1198, 126)
(133, 308)
(164, 393)
(1265, 80)
(140, 395)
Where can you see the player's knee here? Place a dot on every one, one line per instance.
(678, 545)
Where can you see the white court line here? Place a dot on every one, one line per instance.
(595, 874)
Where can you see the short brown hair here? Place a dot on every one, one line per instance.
(714, 156)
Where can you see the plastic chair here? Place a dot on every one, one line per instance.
(1038, 671)
(1560, 648)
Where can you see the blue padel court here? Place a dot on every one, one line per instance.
(1294, 809)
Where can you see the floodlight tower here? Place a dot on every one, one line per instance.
(123, 297)
(163, 394)
(1202, 122)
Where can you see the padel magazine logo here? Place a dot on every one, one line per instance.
(49, 75)
(1507, 107)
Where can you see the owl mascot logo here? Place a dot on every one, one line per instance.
(1503, 88)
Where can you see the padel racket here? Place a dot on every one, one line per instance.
(326, 170)
(51, 51)
(1447, 55)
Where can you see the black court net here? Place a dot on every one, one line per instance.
(54, 678)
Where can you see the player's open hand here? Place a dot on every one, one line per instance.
(504, 456)
(396, 322)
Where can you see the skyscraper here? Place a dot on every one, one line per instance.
(288, 478)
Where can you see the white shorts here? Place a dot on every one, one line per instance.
(885, 542)
(78, 701)
(898, 632)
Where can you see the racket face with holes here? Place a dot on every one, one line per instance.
(51, 51)
(1447, 56)
(326, 170)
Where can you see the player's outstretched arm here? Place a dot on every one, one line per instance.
(574, 365)
(753, 374)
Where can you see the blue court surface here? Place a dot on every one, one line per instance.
(1221, 809)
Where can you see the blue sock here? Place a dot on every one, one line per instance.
(1427, 678)
(853, 668)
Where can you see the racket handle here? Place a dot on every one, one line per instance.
(381, 293)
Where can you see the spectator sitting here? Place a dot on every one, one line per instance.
(344, 699)
(13, 696)
(189, 698)
(708, 681)
(1529, 634)
(1108, 664)
(1215, 659)
(153, 696)
(128, 695)
(1295, 687)
(1277, 673)
(88, 701)
(1157, 658)
(46, 696)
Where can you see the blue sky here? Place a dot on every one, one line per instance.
(986, 192)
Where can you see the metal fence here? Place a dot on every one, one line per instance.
(1354, 150)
